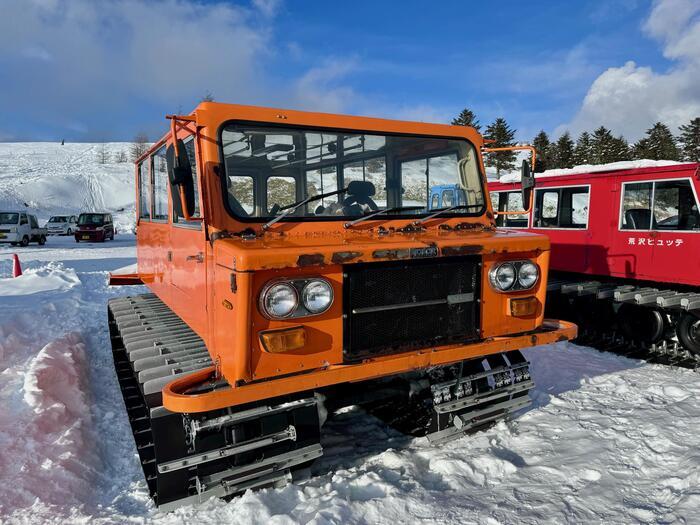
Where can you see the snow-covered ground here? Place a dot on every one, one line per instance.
(607, 440)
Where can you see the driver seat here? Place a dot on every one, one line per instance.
(359, 195)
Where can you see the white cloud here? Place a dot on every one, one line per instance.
(629, 99)
(89, 63)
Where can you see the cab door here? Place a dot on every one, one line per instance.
(675, 232)
(187, 258)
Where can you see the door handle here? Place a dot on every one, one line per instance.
(198, 258)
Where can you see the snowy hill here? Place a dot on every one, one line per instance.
(46, 179)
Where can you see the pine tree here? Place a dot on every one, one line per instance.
(139, 146)
(658, 144)
(467, 118)
(607, 148)
(544, 148)
(564, 151)
(102, 154)
(689, 140)
(502, 135)
(208, 97)
(583, 152)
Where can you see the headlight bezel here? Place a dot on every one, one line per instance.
(300, 309)
(516, 286)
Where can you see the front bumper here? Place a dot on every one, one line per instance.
(57, 231)
(176, 398)
(10, 237)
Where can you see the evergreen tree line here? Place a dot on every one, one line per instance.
(596, 147)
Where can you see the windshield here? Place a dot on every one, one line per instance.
(58, 219)
(91, 218)
(9, 218)
(268, 169)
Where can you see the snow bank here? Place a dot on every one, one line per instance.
(49, 450)
(594, 168)
(51, 278)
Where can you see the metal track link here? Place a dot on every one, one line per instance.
(598, 330)
(463, 398)
(188, 458)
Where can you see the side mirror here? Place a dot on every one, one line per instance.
(527, 183)
(181, 180)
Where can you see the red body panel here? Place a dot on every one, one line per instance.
(603, 248)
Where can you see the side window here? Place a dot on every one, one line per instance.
(636, 206)
(562, 208)
(33, 222)
(675, 206)
(23, 219)
(160, 186)
(435, 202)
(515, 203)
(144, 190)
(281, 191)
(192, 158)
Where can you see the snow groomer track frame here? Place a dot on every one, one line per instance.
(296, 267)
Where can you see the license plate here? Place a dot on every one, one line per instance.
(86, 237)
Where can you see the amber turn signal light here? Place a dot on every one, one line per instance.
(523, 307)
(284, 340)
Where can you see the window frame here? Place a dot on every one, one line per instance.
(652, 202)
(320, 129)
(175, 219)
(563, 228)
(167, 214)
(148, 192)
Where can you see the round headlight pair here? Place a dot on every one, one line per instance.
(518, 275)
(280, 300)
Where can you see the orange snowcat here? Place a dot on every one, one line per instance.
(300, 262)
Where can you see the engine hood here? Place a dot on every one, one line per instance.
(274, 252)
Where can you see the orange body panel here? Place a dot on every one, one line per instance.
(212, 277)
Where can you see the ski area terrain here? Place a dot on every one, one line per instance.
(607, 439)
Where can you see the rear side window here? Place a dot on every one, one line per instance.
(562, 207)
(281, 191)
(160, 186)
(144, 190)
(33, 222)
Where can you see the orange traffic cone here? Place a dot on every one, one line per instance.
(16, 268)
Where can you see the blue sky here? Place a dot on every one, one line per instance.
(98, 71)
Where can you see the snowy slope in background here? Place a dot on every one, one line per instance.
(607, 440)
(46, 178)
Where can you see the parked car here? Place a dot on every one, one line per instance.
(62, 225)
(17, 227)
(95, 227)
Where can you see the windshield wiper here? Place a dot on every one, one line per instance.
(380, 212)
(440, 211)
(288, 210)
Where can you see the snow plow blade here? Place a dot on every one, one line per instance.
(189, 458)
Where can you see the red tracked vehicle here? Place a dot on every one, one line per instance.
(625, 255)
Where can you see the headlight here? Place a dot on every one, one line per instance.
(317, 296)
(502, 276)
(13, 230)
(279, 300)
(528, 273)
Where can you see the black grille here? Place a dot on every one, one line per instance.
(398, 306)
